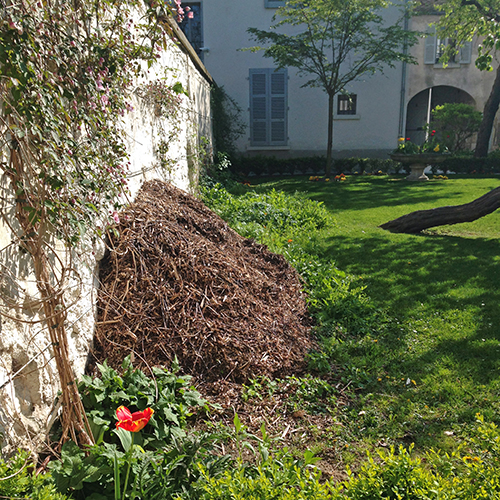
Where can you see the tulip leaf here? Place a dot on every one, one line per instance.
(125, 438)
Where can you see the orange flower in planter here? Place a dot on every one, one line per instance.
(133, 422)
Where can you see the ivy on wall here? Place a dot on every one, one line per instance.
(67, 71)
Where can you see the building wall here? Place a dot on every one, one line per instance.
(28, 376)
(374, 130)
(459, 82)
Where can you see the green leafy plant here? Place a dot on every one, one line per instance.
(19, 480)
(430, 146)
(252, 213)
(157, 462)
(227, 123)
(455, 125)
(169, 394)
(280, 477)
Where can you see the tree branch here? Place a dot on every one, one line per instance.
(492, 16)
(415, 222)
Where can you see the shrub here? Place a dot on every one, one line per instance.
(343, 165)
(168, 472)
(280, 478)
(455, 124)
(253, 214)
(18, 480)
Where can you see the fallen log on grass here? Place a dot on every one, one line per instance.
(415, 222)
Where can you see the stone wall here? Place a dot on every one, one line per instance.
(28, 376)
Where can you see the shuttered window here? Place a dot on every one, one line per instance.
(192, 26)
(268, 107)
(346, 104)
(434, 47)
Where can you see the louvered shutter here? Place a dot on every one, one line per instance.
(430, 49)
(268, 107)
(258, 107)
(466, 53)
(278, 108)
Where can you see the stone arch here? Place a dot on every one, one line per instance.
(419, 106)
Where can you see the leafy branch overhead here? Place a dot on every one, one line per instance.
(334, 43)
(464, 20)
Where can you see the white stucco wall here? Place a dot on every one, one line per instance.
(375, 128)
(28, 376)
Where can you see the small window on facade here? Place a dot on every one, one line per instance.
(346, 104)
(441, 45)
(274, 4)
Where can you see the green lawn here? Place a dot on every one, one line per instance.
(435, 361)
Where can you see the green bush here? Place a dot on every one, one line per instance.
(253, 214)
(455, 124)
(344, 165)
(164, 455)
(168, 472)
(18, 480)
(278, 477)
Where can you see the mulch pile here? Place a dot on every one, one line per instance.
(179, 282)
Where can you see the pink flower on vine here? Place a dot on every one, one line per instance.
(116, 217)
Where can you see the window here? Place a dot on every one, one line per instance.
(435, 47)
(274, 4)
(346, 104)
(193, 27)
(268, 107)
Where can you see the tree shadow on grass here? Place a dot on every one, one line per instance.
(364, 193)
(435, 279)
(422, 281)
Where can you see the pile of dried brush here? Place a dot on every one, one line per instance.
(179, 282)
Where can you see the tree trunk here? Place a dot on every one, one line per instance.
(329, 147)
(415, 222)
(489, 113)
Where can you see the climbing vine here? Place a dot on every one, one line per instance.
(67, 69)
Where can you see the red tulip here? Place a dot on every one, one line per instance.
(133, 422)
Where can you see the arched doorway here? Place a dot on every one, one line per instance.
(421, 104)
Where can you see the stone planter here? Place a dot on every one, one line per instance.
(418, 163)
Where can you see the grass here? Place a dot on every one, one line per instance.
(433, 362)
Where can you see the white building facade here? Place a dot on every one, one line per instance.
(284, 119)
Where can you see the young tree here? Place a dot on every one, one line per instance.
(462, 20)
(338, 42)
